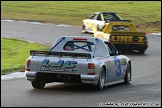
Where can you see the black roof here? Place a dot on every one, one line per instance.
(106, 12)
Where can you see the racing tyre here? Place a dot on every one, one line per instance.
(127, 77)
(38, 84)
(83, 29)
(98, 28)
(101, 81)
(141, 51)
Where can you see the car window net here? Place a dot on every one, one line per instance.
(79, 46)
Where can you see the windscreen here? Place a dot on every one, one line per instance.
(110, 17)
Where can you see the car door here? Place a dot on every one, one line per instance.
(110, 67)
(90, 22)
(96, 21)
(114, 70)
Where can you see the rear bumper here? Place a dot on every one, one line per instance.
(30, 75)
(138, 47)
(90, 79)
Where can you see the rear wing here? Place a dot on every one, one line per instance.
(60, 54)
(118, 21)
(120, 33)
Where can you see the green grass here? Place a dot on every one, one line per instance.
(15, 52)
(145, 14)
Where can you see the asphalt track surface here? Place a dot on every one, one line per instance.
(144, 89)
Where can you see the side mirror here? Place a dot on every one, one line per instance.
(90, 17)
(117, 53)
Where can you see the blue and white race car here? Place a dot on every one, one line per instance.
(97, 21)
(78, 59)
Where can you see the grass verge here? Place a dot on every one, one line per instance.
(145, 14)
(15, 52)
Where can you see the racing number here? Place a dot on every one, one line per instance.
(117, 63)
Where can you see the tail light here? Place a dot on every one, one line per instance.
(27, 65)
(91, 69)
(145, 41)
(110, 38)
(84, 39)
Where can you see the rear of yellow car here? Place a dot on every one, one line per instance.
(124, 36)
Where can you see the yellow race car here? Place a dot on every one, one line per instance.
(98, 20)
(124, 36)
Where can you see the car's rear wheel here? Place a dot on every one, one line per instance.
(141, 51)
(38, 83)
(101, 81)
(127, 77)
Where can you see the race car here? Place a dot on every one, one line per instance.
(98, 20)
(124, 36)
(78, 59)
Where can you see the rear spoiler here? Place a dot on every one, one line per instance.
(60, 54)
(118, 21)
(120, 33)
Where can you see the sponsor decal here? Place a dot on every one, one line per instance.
(108, 72)
(104, 59)
(60, 66)
(90, 25)
(101, 60)
(130, 39)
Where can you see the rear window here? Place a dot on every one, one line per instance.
(79, 46)
(110, 16)
(120, 28)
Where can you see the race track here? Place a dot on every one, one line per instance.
(144, 89)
